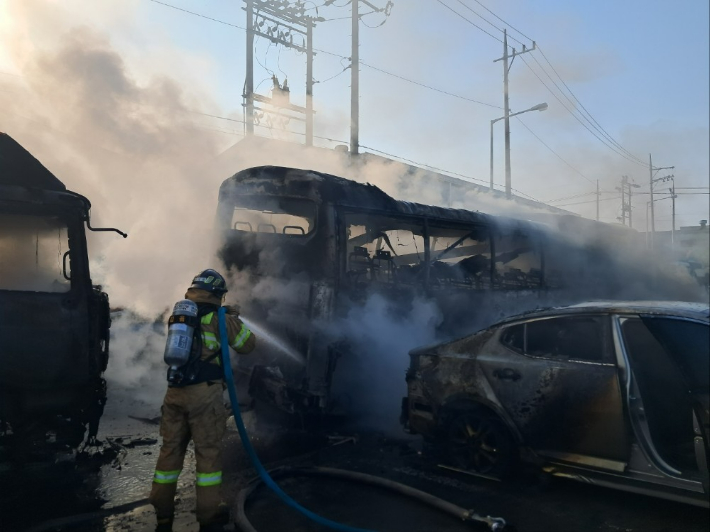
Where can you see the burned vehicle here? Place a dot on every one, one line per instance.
(54, 324)
(614, 394)
(307, 250)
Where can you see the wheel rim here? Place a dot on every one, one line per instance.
(476, 443)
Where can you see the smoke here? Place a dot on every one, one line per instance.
(127, 138)
(379, 334)
(133, 149)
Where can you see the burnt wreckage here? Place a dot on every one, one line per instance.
(54, 324)
(310, 247)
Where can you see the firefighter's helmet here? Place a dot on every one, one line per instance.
(211, 281)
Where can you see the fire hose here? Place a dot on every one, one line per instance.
(494, 523)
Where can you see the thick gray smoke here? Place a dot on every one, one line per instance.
(371, 379)
(129, 142)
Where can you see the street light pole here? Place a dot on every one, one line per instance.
(538, 107)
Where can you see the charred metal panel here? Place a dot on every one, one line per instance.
(19, 168)
(53, 337)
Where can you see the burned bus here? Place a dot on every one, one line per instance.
(54, 324)
(306, 248)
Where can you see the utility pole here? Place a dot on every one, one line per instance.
(673, 197)
(249, 88)
(626, 187)
(650, 182)
(506, 106)
(506, 112)
(355, 68)
(623, 201)
(287, 25)
(651, 170)
(355, 80)
(309, 81)
(598, 194)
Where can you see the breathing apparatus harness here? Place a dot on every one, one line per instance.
(196, 369)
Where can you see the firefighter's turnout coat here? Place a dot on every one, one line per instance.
(197, 412)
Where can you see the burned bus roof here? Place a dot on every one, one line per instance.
(279, 180)
(18, 167)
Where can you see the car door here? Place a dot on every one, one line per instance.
(670, 365)
(559, 383)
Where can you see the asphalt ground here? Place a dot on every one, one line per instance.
(120, 472)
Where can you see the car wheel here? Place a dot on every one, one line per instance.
(480, 443)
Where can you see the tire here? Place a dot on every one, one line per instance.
(479, 442)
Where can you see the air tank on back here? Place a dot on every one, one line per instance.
(181, 326)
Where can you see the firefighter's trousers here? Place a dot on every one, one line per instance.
(196, 412)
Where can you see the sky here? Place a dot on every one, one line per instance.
(639, 68)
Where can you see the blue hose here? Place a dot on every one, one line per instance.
(228, 377)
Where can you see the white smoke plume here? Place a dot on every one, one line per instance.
(125, 137)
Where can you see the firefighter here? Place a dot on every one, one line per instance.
(193, 408)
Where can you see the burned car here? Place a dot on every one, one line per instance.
(614, 394)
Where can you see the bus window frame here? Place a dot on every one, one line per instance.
(485, 228)
(343, 212)
(234, 206)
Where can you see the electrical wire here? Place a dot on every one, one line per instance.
(503, 21)
(422, 164)
(469, 21)
(590, 201)
(429, 86)
(485, 19)
(337, 55)
(569, 197)
(553, 151)
(593, 122)
(603, 141)
(345, 69)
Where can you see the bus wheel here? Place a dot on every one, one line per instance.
(480, 443)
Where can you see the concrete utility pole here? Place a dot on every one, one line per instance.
(625, 189)
(355, 68)
(623, 200)
(506, 106)
(355, 80)
(309, 81)
(651, 171)
(249, 88)
(673, 197)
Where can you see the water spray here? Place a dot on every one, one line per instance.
(274, 341)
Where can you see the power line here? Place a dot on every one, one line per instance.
(598, 126)
(339, 56)
(429, 86)
(503, 21)
(553, 151)
(569, 197)
(480, 16)
(423, 165)
(603, 141)
(488, 21)
(469, 21)
(429, 167)
(589, 201)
